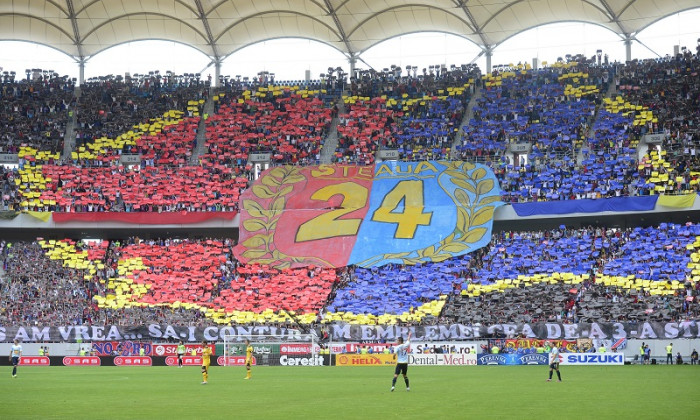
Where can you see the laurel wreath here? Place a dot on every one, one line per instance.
(260, 248)
(473, 210)
(471, 214)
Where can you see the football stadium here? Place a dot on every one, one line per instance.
(478, 238)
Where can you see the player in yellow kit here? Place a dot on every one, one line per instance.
(206, 355)
(248, 358)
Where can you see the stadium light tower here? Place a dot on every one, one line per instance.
(599, 53)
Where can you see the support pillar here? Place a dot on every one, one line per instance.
(352, 60)
(628, 48)
(488, 53)
(81, 71)
(217, 72)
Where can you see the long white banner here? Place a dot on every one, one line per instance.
(340, 332)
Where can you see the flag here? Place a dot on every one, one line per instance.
(620, 344)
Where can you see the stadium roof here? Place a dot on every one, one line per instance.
(218, 28)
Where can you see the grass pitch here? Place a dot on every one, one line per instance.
(618, 392)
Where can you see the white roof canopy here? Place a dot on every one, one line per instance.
(218, 28)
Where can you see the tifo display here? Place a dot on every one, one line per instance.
(335, 238)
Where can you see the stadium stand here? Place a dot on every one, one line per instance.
(34, 112)
(573, 156)
(289, 121)
(152, 115)
(140, 278)
(564, 275)
(670, 89)
(585, 141)
(363, 129)
(39, 289)
(149, 189)
(111, 105)
(638, 274)
(549, 110)
(417, 115)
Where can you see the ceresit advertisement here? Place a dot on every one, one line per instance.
(365, 359)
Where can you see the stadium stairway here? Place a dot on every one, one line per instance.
(69, 137)
(465, 121)
(610, 93)
(590, 135)
(201, 147)
(612, 90)
(330, 143)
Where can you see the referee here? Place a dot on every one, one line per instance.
(180, 352)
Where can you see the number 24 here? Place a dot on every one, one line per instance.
(330, 224)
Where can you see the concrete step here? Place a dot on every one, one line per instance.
(330, 143)
(69, 136)
(467, 117)
(201, 146)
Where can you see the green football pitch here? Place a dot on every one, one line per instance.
(621, 392)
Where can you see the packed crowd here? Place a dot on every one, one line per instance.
(34, 111)
(670, 88)
(563, 275)
(9, 196)
(134, 189)
(110, 106)
(418, 115)
(654, 97)
(571, 140)
(288, 122)
(394, 82)
(181, 282)
(531, 128)
(36, 289)
(610, 274)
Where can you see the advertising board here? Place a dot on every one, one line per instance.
(81, 361)
(442, 359)
(365, 359)
(34, 361)
(186, 361)
(234, 361)
(592, 359)
(133, 361)
(171, 349)
(513, 359)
